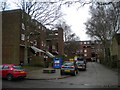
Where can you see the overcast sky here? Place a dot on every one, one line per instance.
(76, 18)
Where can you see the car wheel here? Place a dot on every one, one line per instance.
(9, 77)
(75, 72)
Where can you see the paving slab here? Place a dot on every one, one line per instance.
(40, 75)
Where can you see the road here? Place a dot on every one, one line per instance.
(96, 76)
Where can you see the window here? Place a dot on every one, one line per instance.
(88, 46)
(85, 50)
(5, 67)
(23, 26)
(53, 46)
(93, 47)
(42, 44)
(84, 46)
(57, 61)
(28, 37)
(56, 34)
(92, 43)
(81, 50)
(35, 42)
(17, 67)
(31, 42)
(88, 42)
(22, 16)
(82, 55)
(85, 54)
(39, 27)
(22, 37)
(84, 42)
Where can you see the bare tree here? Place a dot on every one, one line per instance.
(68, 34)
(71, 48)
(102, 25)
(44, 12)
(4, 5)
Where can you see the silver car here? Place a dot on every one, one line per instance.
(69, 67)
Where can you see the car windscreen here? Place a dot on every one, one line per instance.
(68, 64)
(17, 67)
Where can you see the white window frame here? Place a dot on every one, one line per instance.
(35, 42)
(85, 55)
(42, 44)
(23, 37)
(85, 50)
(88, 42)
(23, 26)
(84, 42)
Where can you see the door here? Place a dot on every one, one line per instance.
(5, 70)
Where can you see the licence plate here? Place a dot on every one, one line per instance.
(22, 72)
(67, 70)
(79, 67)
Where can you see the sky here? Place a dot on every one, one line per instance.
(75, 18)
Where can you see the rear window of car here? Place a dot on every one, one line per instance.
(80, 62)
(17, 67)
(68, 64)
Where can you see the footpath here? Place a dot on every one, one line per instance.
(45, 74)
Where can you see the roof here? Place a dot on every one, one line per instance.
(37, 49)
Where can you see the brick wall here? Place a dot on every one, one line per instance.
(10, 36)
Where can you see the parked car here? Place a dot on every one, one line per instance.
(81, 65)
(93, 59)
(69, 67)
(11, 71)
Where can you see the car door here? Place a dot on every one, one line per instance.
(5, 70)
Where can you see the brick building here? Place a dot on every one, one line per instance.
(55, 41)
(88, 50)
(13, 39)
(11, 36)
(115, 47)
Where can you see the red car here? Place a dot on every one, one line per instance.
(11, 71)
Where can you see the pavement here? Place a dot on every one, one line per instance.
(41, 75)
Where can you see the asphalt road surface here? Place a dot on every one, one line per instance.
(96, 76)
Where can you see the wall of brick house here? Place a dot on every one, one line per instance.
(115, 49)
(89, 51)
(42, 39)
(10, 36)
(37, 60)
(119, 52)
(60, 41)
(21, 57)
